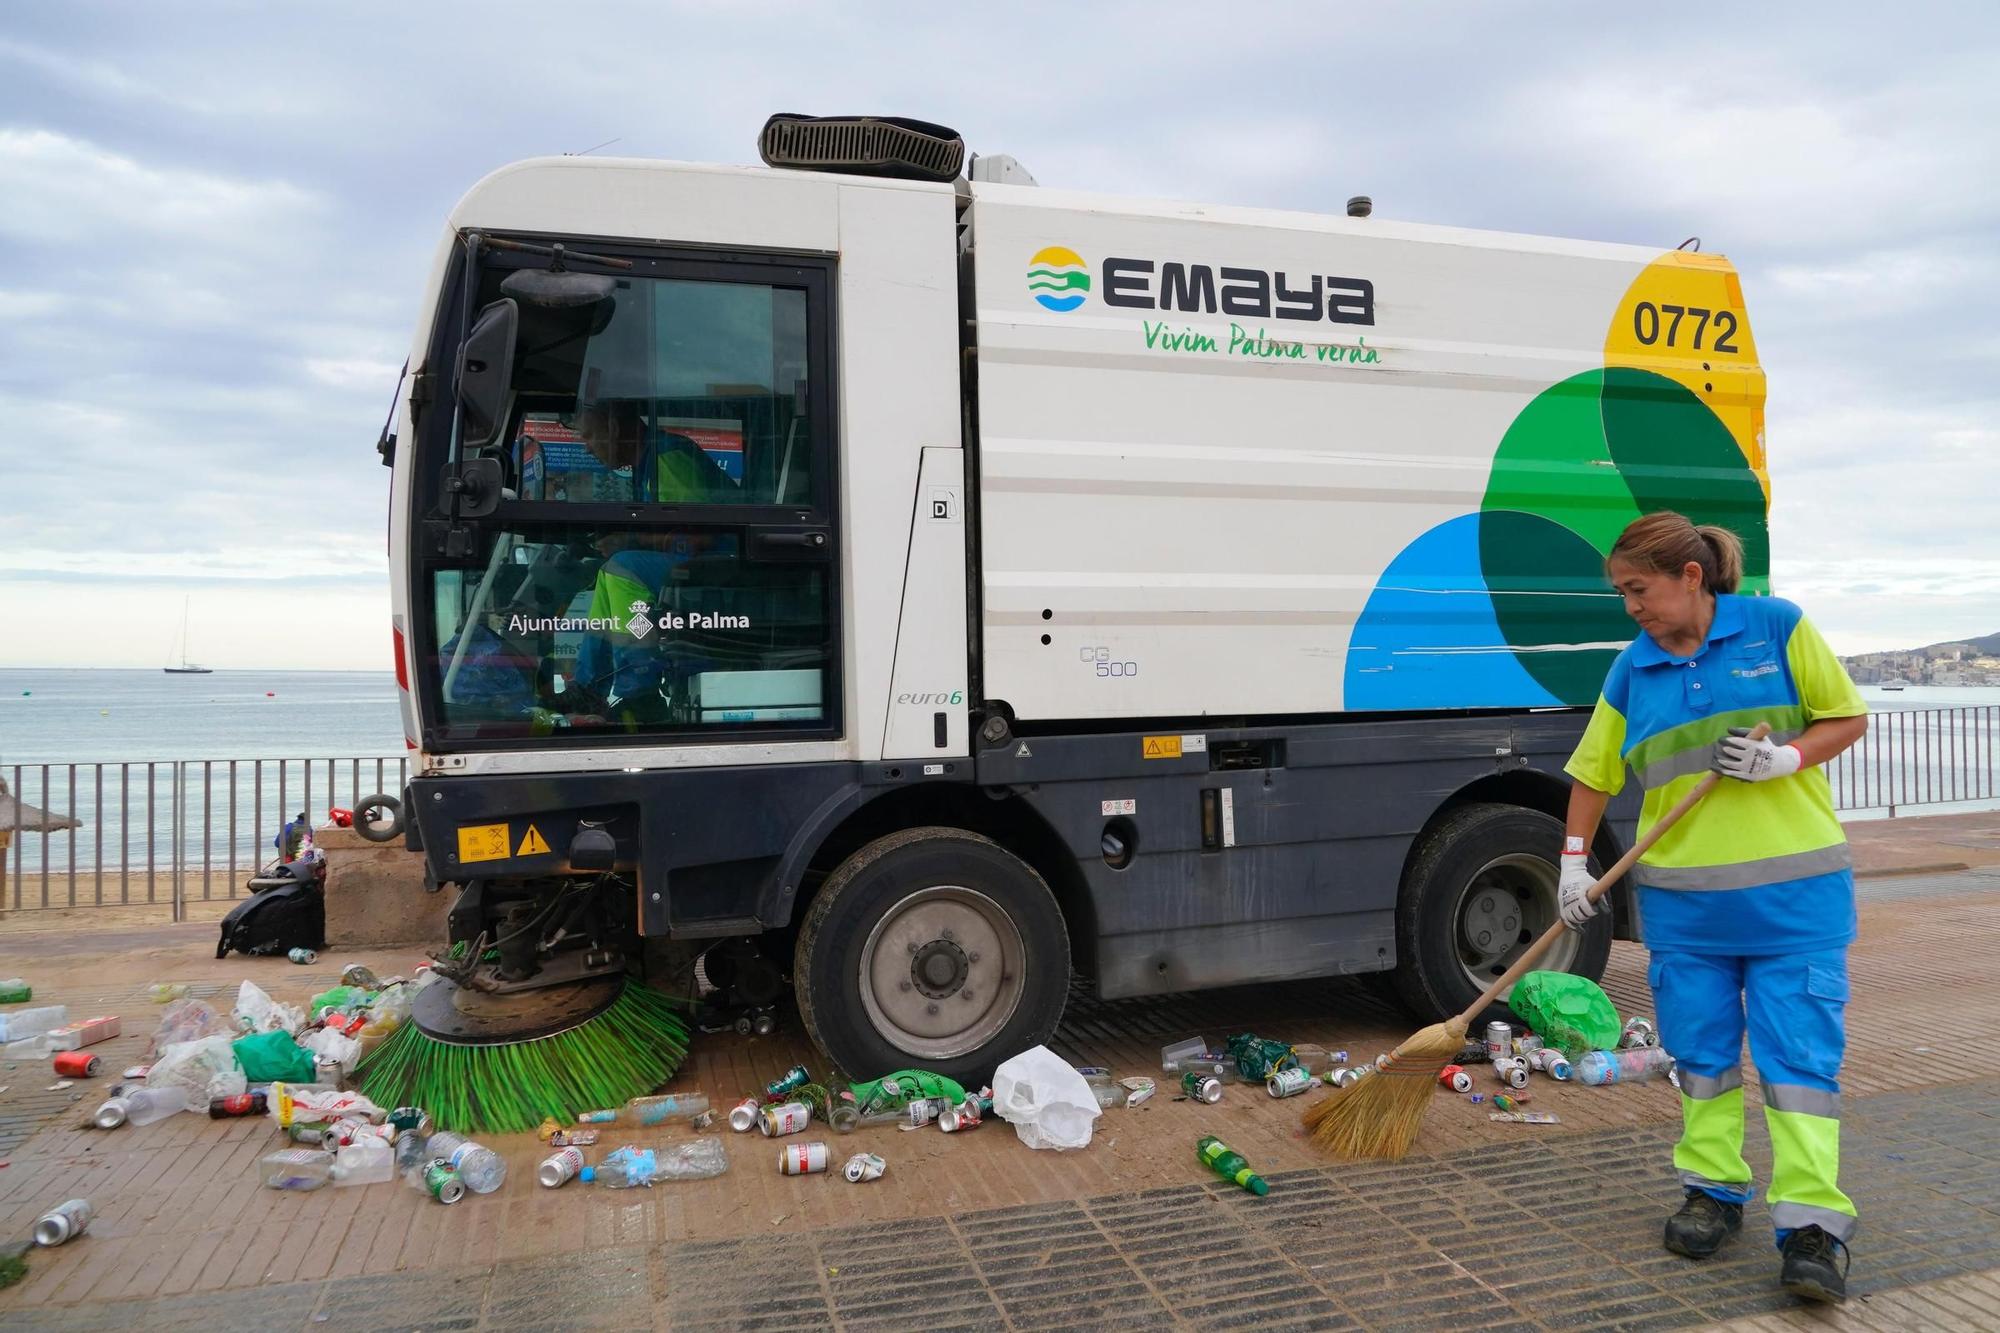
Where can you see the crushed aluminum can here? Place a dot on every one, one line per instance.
(787, 1083)
(1137, 1089)
(864, 1166)
(784, 1118)
(702, 1121)
(359, 974)
(802, 1159)
(1527, 1044)
(408, 1118)
(1202, 1087)
(572, 1138)
(1511, 1070)
(559, 1168)
(1637, 1034)
(1456, 1078)
(343, 1132)
(962, 1116)
(744, 1115)
(1499, 1040)
(1343, 1076)
(441, 1182)
(1289, 1082)
(924, 1110)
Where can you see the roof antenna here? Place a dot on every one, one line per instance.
(1692, 243)
(588, 151)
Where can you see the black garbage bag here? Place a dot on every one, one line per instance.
(286, 911)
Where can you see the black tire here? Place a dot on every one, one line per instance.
(1495, 852)
(902, 878)
(366, 813)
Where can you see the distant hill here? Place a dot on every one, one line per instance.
(1986, 646)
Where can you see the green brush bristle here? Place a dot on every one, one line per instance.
(626, 1051)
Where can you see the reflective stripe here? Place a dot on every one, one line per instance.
(1792, 1216)
(1745, 874)
(1735, 1191)
(1701, 1087)
(1691, 761)
(1796, 1099)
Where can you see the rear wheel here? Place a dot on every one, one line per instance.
(932, 948)
(1480, 889)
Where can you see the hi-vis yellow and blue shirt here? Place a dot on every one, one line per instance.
(1757, 867)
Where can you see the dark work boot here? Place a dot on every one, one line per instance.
(1810, 1271)
(1702, 1224)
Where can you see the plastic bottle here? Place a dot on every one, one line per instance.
(26, 1024)
(15, 990)
(412, 1152)
(624, 1169)
(145, 1105)
(658, 1110)
(296, 1168)
(696, 1159)
(482, 1169)
(164, 992)
(1598, 1068)
(1226, 1162)
(366, 1161)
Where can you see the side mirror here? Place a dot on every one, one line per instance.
(485, 371)
(476, 484)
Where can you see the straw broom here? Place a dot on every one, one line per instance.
(1379, 1116)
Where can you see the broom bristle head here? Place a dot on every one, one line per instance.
(1379, 1116)
(624, 1052)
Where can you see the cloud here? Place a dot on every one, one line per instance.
(64, 189)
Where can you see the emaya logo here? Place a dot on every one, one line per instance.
(1059, 278)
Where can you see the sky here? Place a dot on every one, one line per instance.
(218, 219)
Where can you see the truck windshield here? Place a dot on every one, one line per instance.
(660, 562)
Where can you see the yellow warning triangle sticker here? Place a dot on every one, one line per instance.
(532, 843)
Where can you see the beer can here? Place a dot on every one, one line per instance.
(924, 1110)
(1455, 1078)
(1343, 1076)
(411, 1118)
(784, 1118)
(744, 1115)
(572, 1138)
(441, 1182)
(1289, 1082)
(963, 1116)
(302, 1131)
(77, 1064)
(864, 1166)
(788, 1082)
(596, 1117)
(1527, 1044)
(1512, 1070)
(560, 1167)
(112, 1114)
(1202, 1087)
(1499, 1040)
(1638, 1033)
(303, 955)
(801, 1159)
(64, 1222)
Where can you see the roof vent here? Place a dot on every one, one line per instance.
(863, 146)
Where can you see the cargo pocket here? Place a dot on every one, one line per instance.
(1798, 1017)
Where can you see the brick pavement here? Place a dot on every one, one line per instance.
(182, 1228)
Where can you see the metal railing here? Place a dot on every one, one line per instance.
(1921, 757)
(168, 832)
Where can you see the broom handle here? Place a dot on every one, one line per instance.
(1533, 953)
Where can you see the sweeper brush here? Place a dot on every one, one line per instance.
(499, 1063)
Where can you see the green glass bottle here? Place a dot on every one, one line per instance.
(1226, 1162)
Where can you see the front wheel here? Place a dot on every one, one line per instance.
(931, 948)
(1480, 889)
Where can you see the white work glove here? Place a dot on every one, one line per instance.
(1573, 903)
(1737, 756)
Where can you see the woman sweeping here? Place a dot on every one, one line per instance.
(1747, 906)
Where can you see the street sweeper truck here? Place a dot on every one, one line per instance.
(904, 586)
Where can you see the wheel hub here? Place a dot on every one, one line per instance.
(939, 969)
(1504, 906)
(1492, 921)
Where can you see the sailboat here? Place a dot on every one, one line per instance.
(186, 668)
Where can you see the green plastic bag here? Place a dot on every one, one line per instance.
(271, 1057)
(341, 997)
(1570, 1013)
(1256, 1058)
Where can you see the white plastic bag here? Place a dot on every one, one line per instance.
(369, 1160)
(332, 1045)
(203, 1070)
(393, 1004)
(1046, 1101)
(258, 1012)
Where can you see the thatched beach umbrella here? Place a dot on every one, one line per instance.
(17, 816)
